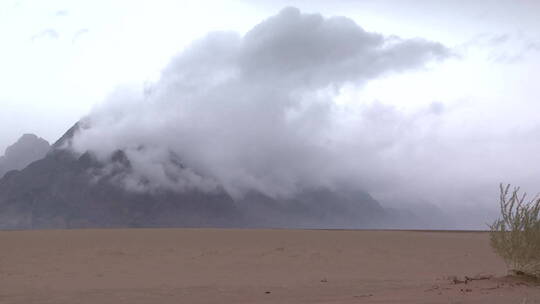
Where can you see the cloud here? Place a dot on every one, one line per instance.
(61, 13)
(78, 34)
(505, 48)
(533, 46)
(498, 39)
(46, 34)
(257, 112)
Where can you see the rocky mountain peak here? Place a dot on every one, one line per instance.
(26, 150)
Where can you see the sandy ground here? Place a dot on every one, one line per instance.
(253, 266)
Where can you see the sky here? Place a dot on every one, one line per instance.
(452, 113)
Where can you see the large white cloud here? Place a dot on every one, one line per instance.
(256, 112)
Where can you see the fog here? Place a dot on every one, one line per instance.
(261, 112)
(257, 112)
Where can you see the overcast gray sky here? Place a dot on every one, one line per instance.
(445, 130)
(59, 58)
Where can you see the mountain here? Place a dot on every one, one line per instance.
(314, 208)
(26, 150)
(59, 192)
(62, 191)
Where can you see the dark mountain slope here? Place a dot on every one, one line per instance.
(62, 191)
(59, 192)
(314, 208)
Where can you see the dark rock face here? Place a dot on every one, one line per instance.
(59, 192)
(62, 191)
(26, 150)
(314, 208)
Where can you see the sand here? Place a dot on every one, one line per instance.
(253, 266)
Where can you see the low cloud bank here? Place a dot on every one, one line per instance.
(257, 112)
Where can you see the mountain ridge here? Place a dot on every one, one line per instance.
(27, 149)
(62, 191)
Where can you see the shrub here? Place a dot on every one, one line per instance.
(515, 236)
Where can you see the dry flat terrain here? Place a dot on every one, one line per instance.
(253, 266)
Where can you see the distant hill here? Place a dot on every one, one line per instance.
(26, 150)
(60, 191)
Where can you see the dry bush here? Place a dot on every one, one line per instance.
(515, 236)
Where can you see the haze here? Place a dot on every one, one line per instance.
(418, 103)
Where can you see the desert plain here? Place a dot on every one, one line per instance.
(254, 266)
